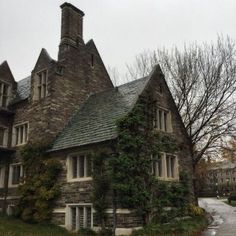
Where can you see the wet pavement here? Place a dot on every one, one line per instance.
(224, 217)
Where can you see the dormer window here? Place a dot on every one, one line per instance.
(40, 90)
(4, 94)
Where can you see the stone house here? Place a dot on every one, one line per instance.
(218, 179)
(72, 103)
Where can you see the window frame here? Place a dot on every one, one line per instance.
(11, 166)
(40, 85)
(5, 136)
(70, 168)
(164, 172)
(8, 95)
(68, 218)
(2, 176)
(14, 134)
(162, 119)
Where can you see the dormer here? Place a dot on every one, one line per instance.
(40, 76)
(7, 85)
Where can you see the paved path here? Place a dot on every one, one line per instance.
(224, 217)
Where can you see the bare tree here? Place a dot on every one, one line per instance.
(202, 79)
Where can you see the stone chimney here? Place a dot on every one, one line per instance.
(71, 26)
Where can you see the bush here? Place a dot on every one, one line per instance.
(39, 189)
(105, 232)
(86, 232)
(195, 210)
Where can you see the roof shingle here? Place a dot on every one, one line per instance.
(96, 120)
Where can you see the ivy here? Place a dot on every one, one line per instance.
(101, 185)
(39, 188)
(127, 173)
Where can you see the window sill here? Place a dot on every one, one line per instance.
(13, 185)
(19, 145)
(168, 179)
(80, 179)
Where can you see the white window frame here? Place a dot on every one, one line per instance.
(68, 217)
(164, 172)
(162, 123)
(5, 136)
(2, 83)
(69, 166)
(40, 84)
(14, 133)
(10, 184)
(2, 176)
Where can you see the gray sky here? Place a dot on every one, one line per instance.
(120, 28)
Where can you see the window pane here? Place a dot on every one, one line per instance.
(165, 121)
(26, 133)
(88, 166)
(81, 166)
(81, 217)
(73, 218)
(160, 119)
(2, 130)
(172, 166)
(74, 167)
(16, 174)
(39, 91)
(159, 166)
(21, 134)
(88, 214)
(168, 166)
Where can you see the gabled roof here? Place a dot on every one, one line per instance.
(96, 120)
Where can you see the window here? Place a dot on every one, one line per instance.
(2, 176)
(158, 165)
(170, 166)
(20, 134)
(80, 216)
(40, 90)
(3, 136)
(4, 94)
(15, 174)
(92, 60)
(79, 167)
(162, 120)
(165, 166)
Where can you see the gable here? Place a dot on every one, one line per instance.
(43, 61)
(96, 120)
(6, 74)
(158, 89)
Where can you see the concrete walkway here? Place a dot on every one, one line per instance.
(224, 217)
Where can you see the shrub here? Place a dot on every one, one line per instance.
(195, 210)
(86, 232)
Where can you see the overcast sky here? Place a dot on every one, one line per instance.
(120, 28)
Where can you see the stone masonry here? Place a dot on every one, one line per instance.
(72, 104)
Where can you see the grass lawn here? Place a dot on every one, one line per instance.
(233, 203)
(187, 227)
(14, 227)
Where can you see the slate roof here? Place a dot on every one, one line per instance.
(96, 120)
(23, 89)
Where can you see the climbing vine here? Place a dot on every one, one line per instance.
(129, 177)
(101, 185)
(39, 188)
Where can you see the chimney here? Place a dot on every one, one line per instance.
(71, 25)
